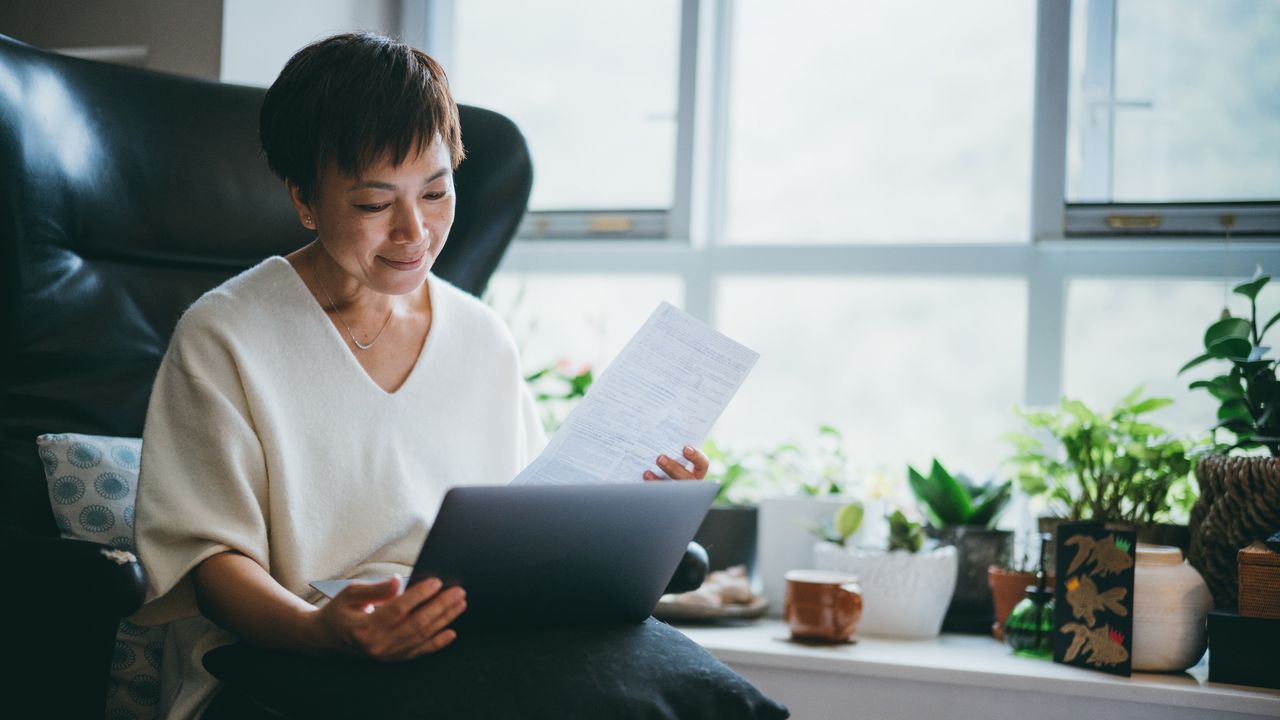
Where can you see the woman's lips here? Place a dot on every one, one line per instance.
(406, 265)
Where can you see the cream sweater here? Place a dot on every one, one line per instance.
(265, 436)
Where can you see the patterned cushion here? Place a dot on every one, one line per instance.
(92, 486)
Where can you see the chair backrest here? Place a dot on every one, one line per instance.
(124, 195)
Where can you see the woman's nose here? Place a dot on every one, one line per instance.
(411, 227)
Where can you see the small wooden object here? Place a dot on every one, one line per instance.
(1259, 582)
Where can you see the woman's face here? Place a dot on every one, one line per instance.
(386, 228)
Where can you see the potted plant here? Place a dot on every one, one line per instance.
(801, 484)
(1239, 495)
(1009, 578)
(963, 513)
(1115, 466)
(729, 530)
(906, 586)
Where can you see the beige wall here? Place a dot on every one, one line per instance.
(181, 36)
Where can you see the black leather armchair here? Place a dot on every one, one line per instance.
(125, 195)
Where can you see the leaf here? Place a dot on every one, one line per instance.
(1224, 329)
(1150, 405)
(916, 480)
(848, 519)
(941, 494)
(1274, 319)
(829, 430)
(992, 504)
(1231, 348)
(1218, 389)
(1146, 430)
(1132, 397)
(1021, 441)
(1079, 410)
(1202, 358)
(1251, 288)
(1235, 409)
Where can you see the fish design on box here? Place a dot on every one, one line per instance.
(1108, 555)
(1097, 646)
(1086, 601)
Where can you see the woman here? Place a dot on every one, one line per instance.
(311, 412)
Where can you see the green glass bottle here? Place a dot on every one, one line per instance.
(1029, 629)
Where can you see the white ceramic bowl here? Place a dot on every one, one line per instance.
(904, 595)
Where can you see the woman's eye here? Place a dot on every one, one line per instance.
(374, 208)
(434, 195)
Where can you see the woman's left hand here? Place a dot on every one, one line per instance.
(678, 470)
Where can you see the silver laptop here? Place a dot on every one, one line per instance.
(536, 556)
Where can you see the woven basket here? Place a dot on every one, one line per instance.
(1239, 504)
(1259, 582)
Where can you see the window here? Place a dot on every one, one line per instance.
(1175, 101)
(906, 369)
(1125, 332)
(594, 88)
(882, 199)
(879, 122)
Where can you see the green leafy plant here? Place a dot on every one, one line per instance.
(819, 468)
(841, 526)
(904, 534)
(1111, 466)
(727, 468)
(1248, 394)
(557, 389)
(952, 500)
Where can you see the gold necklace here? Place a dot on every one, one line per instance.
(315, 269)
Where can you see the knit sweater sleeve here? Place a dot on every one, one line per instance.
(202, 487)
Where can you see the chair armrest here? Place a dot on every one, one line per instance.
(114, 579)
(62, 603)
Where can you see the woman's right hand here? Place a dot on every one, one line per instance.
(378, 621)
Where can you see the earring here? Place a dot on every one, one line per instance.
(309, 222)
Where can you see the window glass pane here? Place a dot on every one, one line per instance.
(906, 369)
(874, 121)
(592, 86)
(577, 319)
(1124, 332)
(1194, 108)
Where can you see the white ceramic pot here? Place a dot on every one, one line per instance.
(904, 595)
(1171, 603)
(785, 540)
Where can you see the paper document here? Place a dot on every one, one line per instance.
(663, 391)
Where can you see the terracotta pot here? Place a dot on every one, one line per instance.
(1007, 590)
(1239, 503)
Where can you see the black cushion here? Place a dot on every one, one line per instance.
(648, 670)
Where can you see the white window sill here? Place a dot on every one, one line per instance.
(963, 676)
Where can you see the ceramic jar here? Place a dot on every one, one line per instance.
(904, 595)
(1171, 603)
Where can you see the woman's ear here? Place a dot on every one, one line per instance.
(306, 215)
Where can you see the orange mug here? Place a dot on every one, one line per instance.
(822, 606)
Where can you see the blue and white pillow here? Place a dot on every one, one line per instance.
(93, 482)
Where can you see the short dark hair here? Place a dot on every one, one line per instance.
(349, 99)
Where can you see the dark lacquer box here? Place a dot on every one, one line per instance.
(1243, 650)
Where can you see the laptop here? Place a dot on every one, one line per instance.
(555, 555)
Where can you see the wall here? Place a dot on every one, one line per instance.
(259, 38)
(180, 36)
